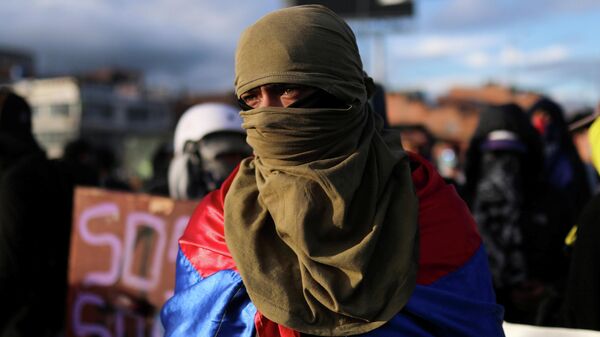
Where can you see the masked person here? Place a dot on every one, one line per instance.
(503, 168)
(209, 143)
(330, 229)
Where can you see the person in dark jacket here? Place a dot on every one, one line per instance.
(504, 190)
(35, 211)
(563, 168)
(582, 299)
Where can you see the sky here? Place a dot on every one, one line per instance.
(552, 46)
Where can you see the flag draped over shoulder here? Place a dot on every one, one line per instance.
(453, 296)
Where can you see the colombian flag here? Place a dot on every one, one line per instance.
(453, 296)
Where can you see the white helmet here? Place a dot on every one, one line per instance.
(203, 119)
(208, 137)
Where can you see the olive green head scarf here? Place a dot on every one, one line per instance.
(322, 221)
(308, 45)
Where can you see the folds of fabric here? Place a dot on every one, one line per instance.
(322, 221)
(461, 303)
(308, 45)
(453, 296)
(214, 306)
(309, 235)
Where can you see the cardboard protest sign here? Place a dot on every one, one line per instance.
(122, 261)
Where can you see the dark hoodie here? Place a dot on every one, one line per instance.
(505, 190)
(563, 168)
(35, 210)
(582, 298)
(502, 168)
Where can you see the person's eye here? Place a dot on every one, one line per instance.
(291, 91)
(250, 99)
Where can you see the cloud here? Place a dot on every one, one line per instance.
(185, 41)
(470, 14)
(438, 46)
(574, 95)
(190, 43)
(579, 78)
(513, 57)
(478, 59)
(575, 70)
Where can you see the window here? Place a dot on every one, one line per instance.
(137, 114)
(99, 111)
(59, 110)
(36, 111)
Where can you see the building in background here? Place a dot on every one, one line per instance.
(450, 120)
(109, 108)
(454, 115)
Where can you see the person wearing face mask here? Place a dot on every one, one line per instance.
(209, 143)
(503, 168)
(331, 228)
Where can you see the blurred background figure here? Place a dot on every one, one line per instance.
(80, 162)
(563, 168)
(209, 143)
(107, 164)
(158, 184)
(582, 304)
(503, 166)
(88, 165)
(579, 125)
(446, 156)
(377, 102)
(416, 138)
(35, 219)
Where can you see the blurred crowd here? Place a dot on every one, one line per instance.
(527, 175)
(529, 180)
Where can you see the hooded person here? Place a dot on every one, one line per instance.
(209, 142)
(503, 168)
(35, 208)
(330, 229)
(563, 168)
(582, 299)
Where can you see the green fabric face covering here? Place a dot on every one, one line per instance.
(322, 222)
